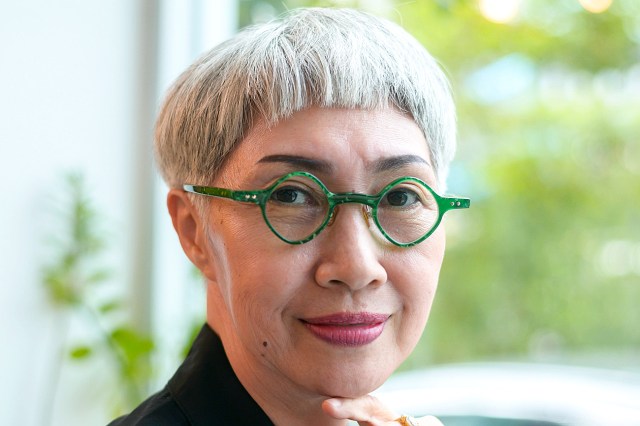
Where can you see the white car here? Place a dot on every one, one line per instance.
(512, 394)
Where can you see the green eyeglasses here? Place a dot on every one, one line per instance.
(298, 206)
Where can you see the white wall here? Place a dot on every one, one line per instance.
(78, 87)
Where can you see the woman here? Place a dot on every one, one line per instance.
(316, 292)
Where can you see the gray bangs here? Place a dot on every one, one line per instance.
(313, 57)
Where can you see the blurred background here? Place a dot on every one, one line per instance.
(99, 303)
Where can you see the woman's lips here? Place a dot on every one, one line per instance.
(347, 329)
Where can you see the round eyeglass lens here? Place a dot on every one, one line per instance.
(296, 208)
(407, 211)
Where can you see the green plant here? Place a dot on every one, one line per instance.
(74, 280)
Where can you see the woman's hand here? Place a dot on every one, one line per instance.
(369, 411)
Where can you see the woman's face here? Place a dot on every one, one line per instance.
(337, 315)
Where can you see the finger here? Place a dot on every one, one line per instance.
(369, 411)
(366, 410)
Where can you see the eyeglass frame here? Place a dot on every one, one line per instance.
(261, 197)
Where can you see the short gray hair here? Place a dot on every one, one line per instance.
(311, 57)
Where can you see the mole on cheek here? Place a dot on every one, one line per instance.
(265, 344)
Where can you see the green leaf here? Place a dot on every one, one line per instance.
(132, 343)
(80, 352)
(98, 276)
(110, 306)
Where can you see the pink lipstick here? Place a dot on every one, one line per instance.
(346, 328)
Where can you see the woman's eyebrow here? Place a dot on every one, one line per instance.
(305, 163)
(321, 166)
(397, 162)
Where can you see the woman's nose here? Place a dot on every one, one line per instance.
(350, 254)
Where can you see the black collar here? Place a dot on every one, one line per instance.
(207, 389)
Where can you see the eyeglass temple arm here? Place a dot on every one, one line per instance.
(244, 196)
(453, 203)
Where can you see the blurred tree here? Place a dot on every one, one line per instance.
(547, 261)
(548, 129)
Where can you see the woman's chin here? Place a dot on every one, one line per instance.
(353, 385)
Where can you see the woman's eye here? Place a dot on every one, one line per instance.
(401, 198)
(292, 195)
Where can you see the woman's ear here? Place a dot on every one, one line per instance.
(191, 232)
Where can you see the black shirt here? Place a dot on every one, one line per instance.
(203, 392)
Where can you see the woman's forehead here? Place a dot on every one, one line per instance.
(339, 146)
(330, 135)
